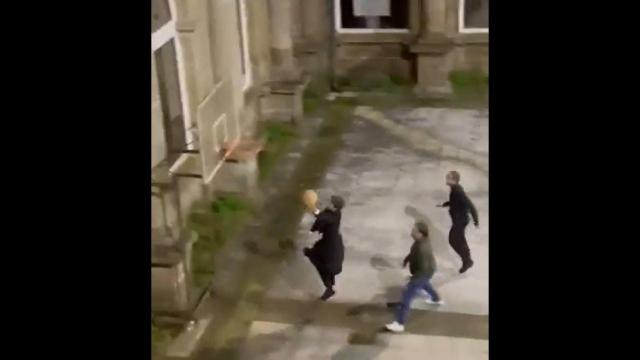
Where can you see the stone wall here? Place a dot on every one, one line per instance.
(442, 47)
(472, 52)
(220, 95)
(359, 55)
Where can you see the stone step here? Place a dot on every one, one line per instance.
(185, 344)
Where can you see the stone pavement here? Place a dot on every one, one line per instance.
(389, 178)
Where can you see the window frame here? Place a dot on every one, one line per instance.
(159, 38)
(243, 15)
(337, 7)
(465, 30)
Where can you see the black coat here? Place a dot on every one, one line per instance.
(460, 206)
(327, 253)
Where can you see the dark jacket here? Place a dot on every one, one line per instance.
(421, 260)
(460, 206)
(328, 253)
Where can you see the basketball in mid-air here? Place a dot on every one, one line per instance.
(310, 199)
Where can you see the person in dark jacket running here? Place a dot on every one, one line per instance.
(459, 209)
(422, 265)
(327, 253)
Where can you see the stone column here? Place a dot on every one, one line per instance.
(435, 14)
(283, 96)
(283, 62)
(434, 51)
(314, 20)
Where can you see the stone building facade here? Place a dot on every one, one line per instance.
(420, 41)
(217, 68)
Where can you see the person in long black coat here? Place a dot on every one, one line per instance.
(327, 254)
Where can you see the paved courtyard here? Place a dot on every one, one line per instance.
(387, 182)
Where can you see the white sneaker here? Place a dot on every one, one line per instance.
(395, 327)
(431, 302)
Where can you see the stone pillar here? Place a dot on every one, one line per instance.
(282, 99)
(434, 51)
(435, 14)
(283, 62)
(297, 32)
(314, 21)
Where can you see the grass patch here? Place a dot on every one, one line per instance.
(215, 225)
(470, 90)
(314, 94)
(160, 337)
(278, 136)
(469, 85)
(311, 105)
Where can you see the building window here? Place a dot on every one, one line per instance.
(366, 16)
(166, 50)
(160, 14)
(170, 97)
(473, 16)
(243, 35)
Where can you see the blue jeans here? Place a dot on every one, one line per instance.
(410, 291)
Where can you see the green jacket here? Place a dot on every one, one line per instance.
(421, 260)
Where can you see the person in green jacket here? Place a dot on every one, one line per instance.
(422, 265)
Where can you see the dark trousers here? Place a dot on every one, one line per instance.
(327, 279)
(458, 240)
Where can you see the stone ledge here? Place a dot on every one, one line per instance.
(471, 39)
(374, 38)
(184, 345)
(302, 48)
(160, 176)
(186, 26)
(167, 251)
(285, 87)
(435, 44)
(245, 150)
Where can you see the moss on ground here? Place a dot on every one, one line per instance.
(159, 338)
(470, 90)
(311, 105)
(469, 85)
(215, 225)
(314, 93)
(278, 137)
(310, 171)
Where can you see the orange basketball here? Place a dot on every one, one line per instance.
(310, 199)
